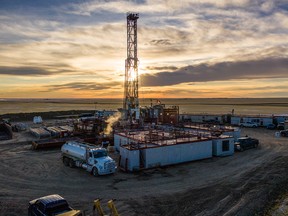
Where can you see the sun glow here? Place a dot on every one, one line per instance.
(132, 75)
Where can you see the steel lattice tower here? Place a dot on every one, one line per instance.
(131, 100)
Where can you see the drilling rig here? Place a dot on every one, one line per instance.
(131, 97)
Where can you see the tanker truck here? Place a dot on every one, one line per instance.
(89, 157)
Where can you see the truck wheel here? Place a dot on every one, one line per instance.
(95, 171)
(71, 163)
(66, 161)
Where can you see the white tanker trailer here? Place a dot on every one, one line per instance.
(92, 159)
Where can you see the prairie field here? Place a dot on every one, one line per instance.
(202, 105)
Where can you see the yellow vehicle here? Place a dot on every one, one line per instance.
(98, 209)
(72, 213)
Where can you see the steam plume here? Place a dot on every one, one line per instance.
(111, 121)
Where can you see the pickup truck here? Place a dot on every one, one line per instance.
(284, 133)
(244, 143)
(249, 124)
(281, 126)
(51, 205)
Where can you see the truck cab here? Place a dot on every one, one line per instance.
(99, 159)
(51, 205)
(94, 154)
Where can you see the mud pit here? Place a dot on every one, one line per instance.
(243, 184)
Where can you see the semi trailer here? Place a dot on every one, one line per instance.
(89, 157)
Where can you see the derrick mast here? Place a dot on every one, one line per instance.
(131, 99)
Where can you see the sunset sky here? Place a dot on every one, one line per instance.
(186, 48)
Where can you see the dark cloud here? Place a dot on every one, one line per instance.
(161, 68)
(260, 88)
(24, 71)
(175, 92)
(46, 70)
(38, 70)
(84, 86)
(32, 3)
(160, 42)
(257, 69)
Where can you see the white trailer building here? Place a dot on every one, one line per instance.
(215, 130)
(223, 146)
(121, 139)
(280, 118)
(148, 149)
(260, 120)
(177, 153)
(203, 118)
(144, 156)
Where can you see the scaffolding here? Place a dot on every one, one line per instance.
(140, 139)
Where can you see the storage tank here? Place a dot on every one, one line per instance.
(74, 149)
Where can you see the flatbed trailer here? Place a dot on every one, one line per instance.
(52, 143)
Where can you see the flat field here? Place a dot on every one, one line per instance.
(253, 106)
(246, 183)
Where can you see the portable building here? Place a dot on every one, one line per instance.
(223, 146)
(280, 118)
(203, 118)
(129, 159)
(260, 120)
(205, 131)
(178, 153)
(184, 117)
(235, 120)
(37, 120)
(144, 149)
(119, 140)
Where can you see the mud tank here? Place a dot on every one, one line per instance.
(89, 157)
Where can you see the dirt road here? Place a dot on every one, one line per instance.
(242, 184)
